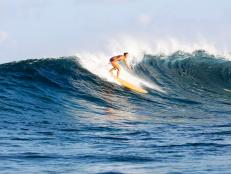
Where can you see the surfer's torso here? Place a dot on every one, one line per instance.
(117, 58)
(115, 62)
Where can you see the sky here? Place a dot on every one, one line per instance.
(51, 28)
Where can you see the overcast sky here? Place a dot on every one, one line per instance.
(47, 28)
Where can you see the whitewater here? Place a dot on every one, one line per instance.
(68, 115)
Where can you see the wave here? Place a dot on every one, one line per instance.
(51, 86)
(161, 71)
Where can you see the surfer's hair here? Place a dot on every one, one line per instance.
(126, 53)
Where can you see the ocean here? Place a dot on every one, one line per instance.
(57, 116)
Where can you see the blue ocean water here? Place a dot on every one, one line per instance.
(57, 117)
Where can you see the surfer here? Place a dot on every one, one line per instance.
(115, 62)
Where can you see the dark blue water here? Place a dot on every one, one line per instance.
(56, 117)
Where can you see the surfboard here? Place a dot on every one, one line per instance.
(130, 86)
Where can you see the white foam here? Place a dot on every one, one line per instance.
(138, 47)
(98, 63)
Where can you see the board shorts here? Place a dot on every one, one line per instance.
(112, 59)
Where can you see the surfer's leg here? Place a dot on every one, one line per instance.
(112, 70)
(115, 67)
(118, 72)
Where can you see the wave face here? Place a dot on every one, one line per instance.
(56, 110)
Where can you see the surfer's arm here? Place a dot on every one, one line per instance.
(127, 65)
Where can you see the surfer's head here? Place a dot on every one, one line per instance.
(126, 54)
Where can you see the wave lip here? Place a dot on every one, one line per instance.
(197, 68)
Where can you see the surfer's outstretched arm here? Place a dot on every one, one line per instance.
(127, 65)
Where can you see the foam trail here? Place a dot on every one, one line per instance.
(132, 78)
(98, 64)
